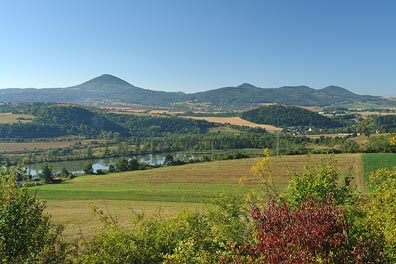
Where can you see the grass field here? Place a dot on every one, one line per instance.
(15, 118)
(234, 121)
(362, 106)
(28, 146)
(38, 145)
(169, 189)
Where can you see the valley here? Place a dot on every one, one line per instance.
(92, 163)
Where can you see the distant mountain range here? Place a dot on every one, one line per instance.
(108, 89)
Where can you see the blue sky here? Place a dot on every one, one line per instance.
(197, 45)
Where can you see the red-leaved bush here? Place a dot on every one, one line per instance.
(315, 232)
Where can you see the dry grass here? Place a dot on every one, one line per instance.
(79, 221)
(367, 114)
(15, 118)
(39, 145)
(312, 108)
(234, 121)
(166, 112)
(28, 146)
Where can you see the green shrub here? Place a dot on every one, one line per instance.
(26, 234)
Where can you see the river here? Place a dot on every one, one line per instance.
(77, 166)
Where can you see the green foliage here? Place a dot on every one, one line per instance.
(121, 165)
(154, 126)
(248, 95)
(61, 120)
(169, 160)
(54, 120)
(381, 207)
(380, 144)
(319, 183)
(26, 234)
(318, 220)
(134, 164)
(350, 146)
(385, 123)
(129, 165)
(88, 169)
(288, 116)
(46, 173)
(188, 237)
(64, 173)
(375, 161)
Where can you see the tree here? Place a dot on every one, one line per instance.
(111, 168)
(26, 234)
(133, 164)
(319, 183)
(88, 169)
(66, 174)
(169, 160)
(89, 153)
(46, 173)
(350, 146)
(121, 165)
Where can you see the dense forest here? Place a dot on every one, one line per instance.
(288, 116)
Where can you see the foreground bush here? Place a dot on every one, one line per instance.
(315, 232)
(380, 208)
(188, 237)
(319, 218)
(26, 234)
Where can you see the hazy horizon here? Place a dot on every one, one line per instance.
(159, 88)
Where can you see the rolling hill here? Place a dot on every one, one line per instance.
(108, 89)
(288, 116)
(247, 94)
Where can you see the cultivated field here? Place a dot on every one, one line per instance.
(6, 118)
(234, 121)
(168, 189)
(38, 145)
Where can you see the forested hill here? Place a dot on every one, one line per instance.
(111, 88)
(100, 90)
(247, 94)
(54, 120)
(288, 116)
(73, 118)
(108, 89)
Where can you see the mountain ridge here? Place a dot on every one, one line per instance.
(108, 88)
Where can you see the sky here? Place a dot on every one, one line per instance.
(199, 45)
